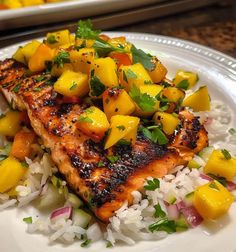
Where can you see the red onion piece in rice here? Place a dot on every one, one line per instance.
(64, 212)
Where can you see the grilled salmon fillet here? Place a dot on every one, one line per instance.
(104, 187)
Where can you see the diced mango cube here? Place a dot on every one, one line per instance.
(105, 70)
(120, 41)
(220, 166)
(117, 102)
(190, 77)
(173, 94)
(29, 49)
(58, 38)
(199, 100)
(212, 200)
(19, 56)
(121, 127)
(72, 84)
(134, 75)
(13, 4)
(58, 71)
(10, 123)
(152, 90)
(159, 72)
(37, 61)
(32, 2)
(11, 172)
(168, 121)
(93, 122)
(82, 60)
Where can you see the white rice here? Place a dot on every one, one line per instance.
(130, 223)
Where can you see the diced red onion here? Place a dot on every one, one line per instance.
(231, 186)
(206, 177)
(192, 216)
(64, 212)
(173, 212)
(180, 205)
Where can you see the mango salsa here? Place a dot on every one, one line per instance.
(159, 72)
(19, 56)
(93, 122)
(10, 123)
(117, 102)
(168, 121)
(199, 100)
(212, 200)
(121, 127)
(72, 83)
(134, 75)
(29, 49)
(11, 172)
(173, 94)
(220, 166)
(190, 78)
(58, 38)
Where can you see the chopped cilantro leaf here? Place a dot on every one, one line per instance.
(28, 220)
(163, 225)
(74, 85)
(85, 119)
(165, 84)
(24, 164)
(155, 134)
(37, 89)
(61, 58)
(121, 127)
(16, 89)
(86, 243)
(109, 244)
(152, 185)
(232, 131)
(51, 39)
(125, 77)
(184, 84)
(103, 48)
(113, 159)
(97, 87)
(2, 157)
(130, 74)
(164, 108)
(147, 82)
(123, 142)
(214, 186)
(83, 45)
(85, 30)
(100, 164)
(144, 101)
(226, 154)
(139, 56)
(40, 78)
(221, 180)
(159, 213)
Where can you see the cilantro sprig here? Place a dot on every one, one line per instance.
(61, 58)
(85, 30)
(144, 101)
(152, 185)
(159, 213)
(226, 154)
(166, 225)
(155, 134)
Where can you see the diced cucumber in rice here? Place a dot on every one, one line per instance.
(206, 152)
(74, 201)
(81, 218)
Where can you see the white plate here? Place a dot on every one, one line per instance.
(62, 11)
(216, 70)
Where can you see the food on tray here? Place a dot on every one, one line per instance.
(14, 4)
(114, 135)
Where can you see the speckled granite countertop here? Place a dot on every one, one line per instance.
(213, 26)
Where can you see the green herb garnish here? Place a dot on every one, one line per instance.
(152, 185)
(28, 220)
(184, 84)
(85, 30)
(16, 89)
(74, 85)
(232, 131)
(159, 213)
(86, 243)
(109, 244)
(163, 225)
(24, 164)
(226, 154)
(113, 159)
(51, 39)
(214, 186)
(2, 157)
(121, 127)
(123, 142)
(139, 56)
(100, 164)
(221, 180)
(144, 101)
(61, 58)
(155, 134)
(147, 82)
(85, 119)
(97, 87)
(40, 78)
(130, 74)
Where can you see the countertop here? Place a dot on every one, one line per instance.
(213, 26)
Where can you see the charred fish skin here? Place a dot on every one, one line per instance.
(105, 187)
